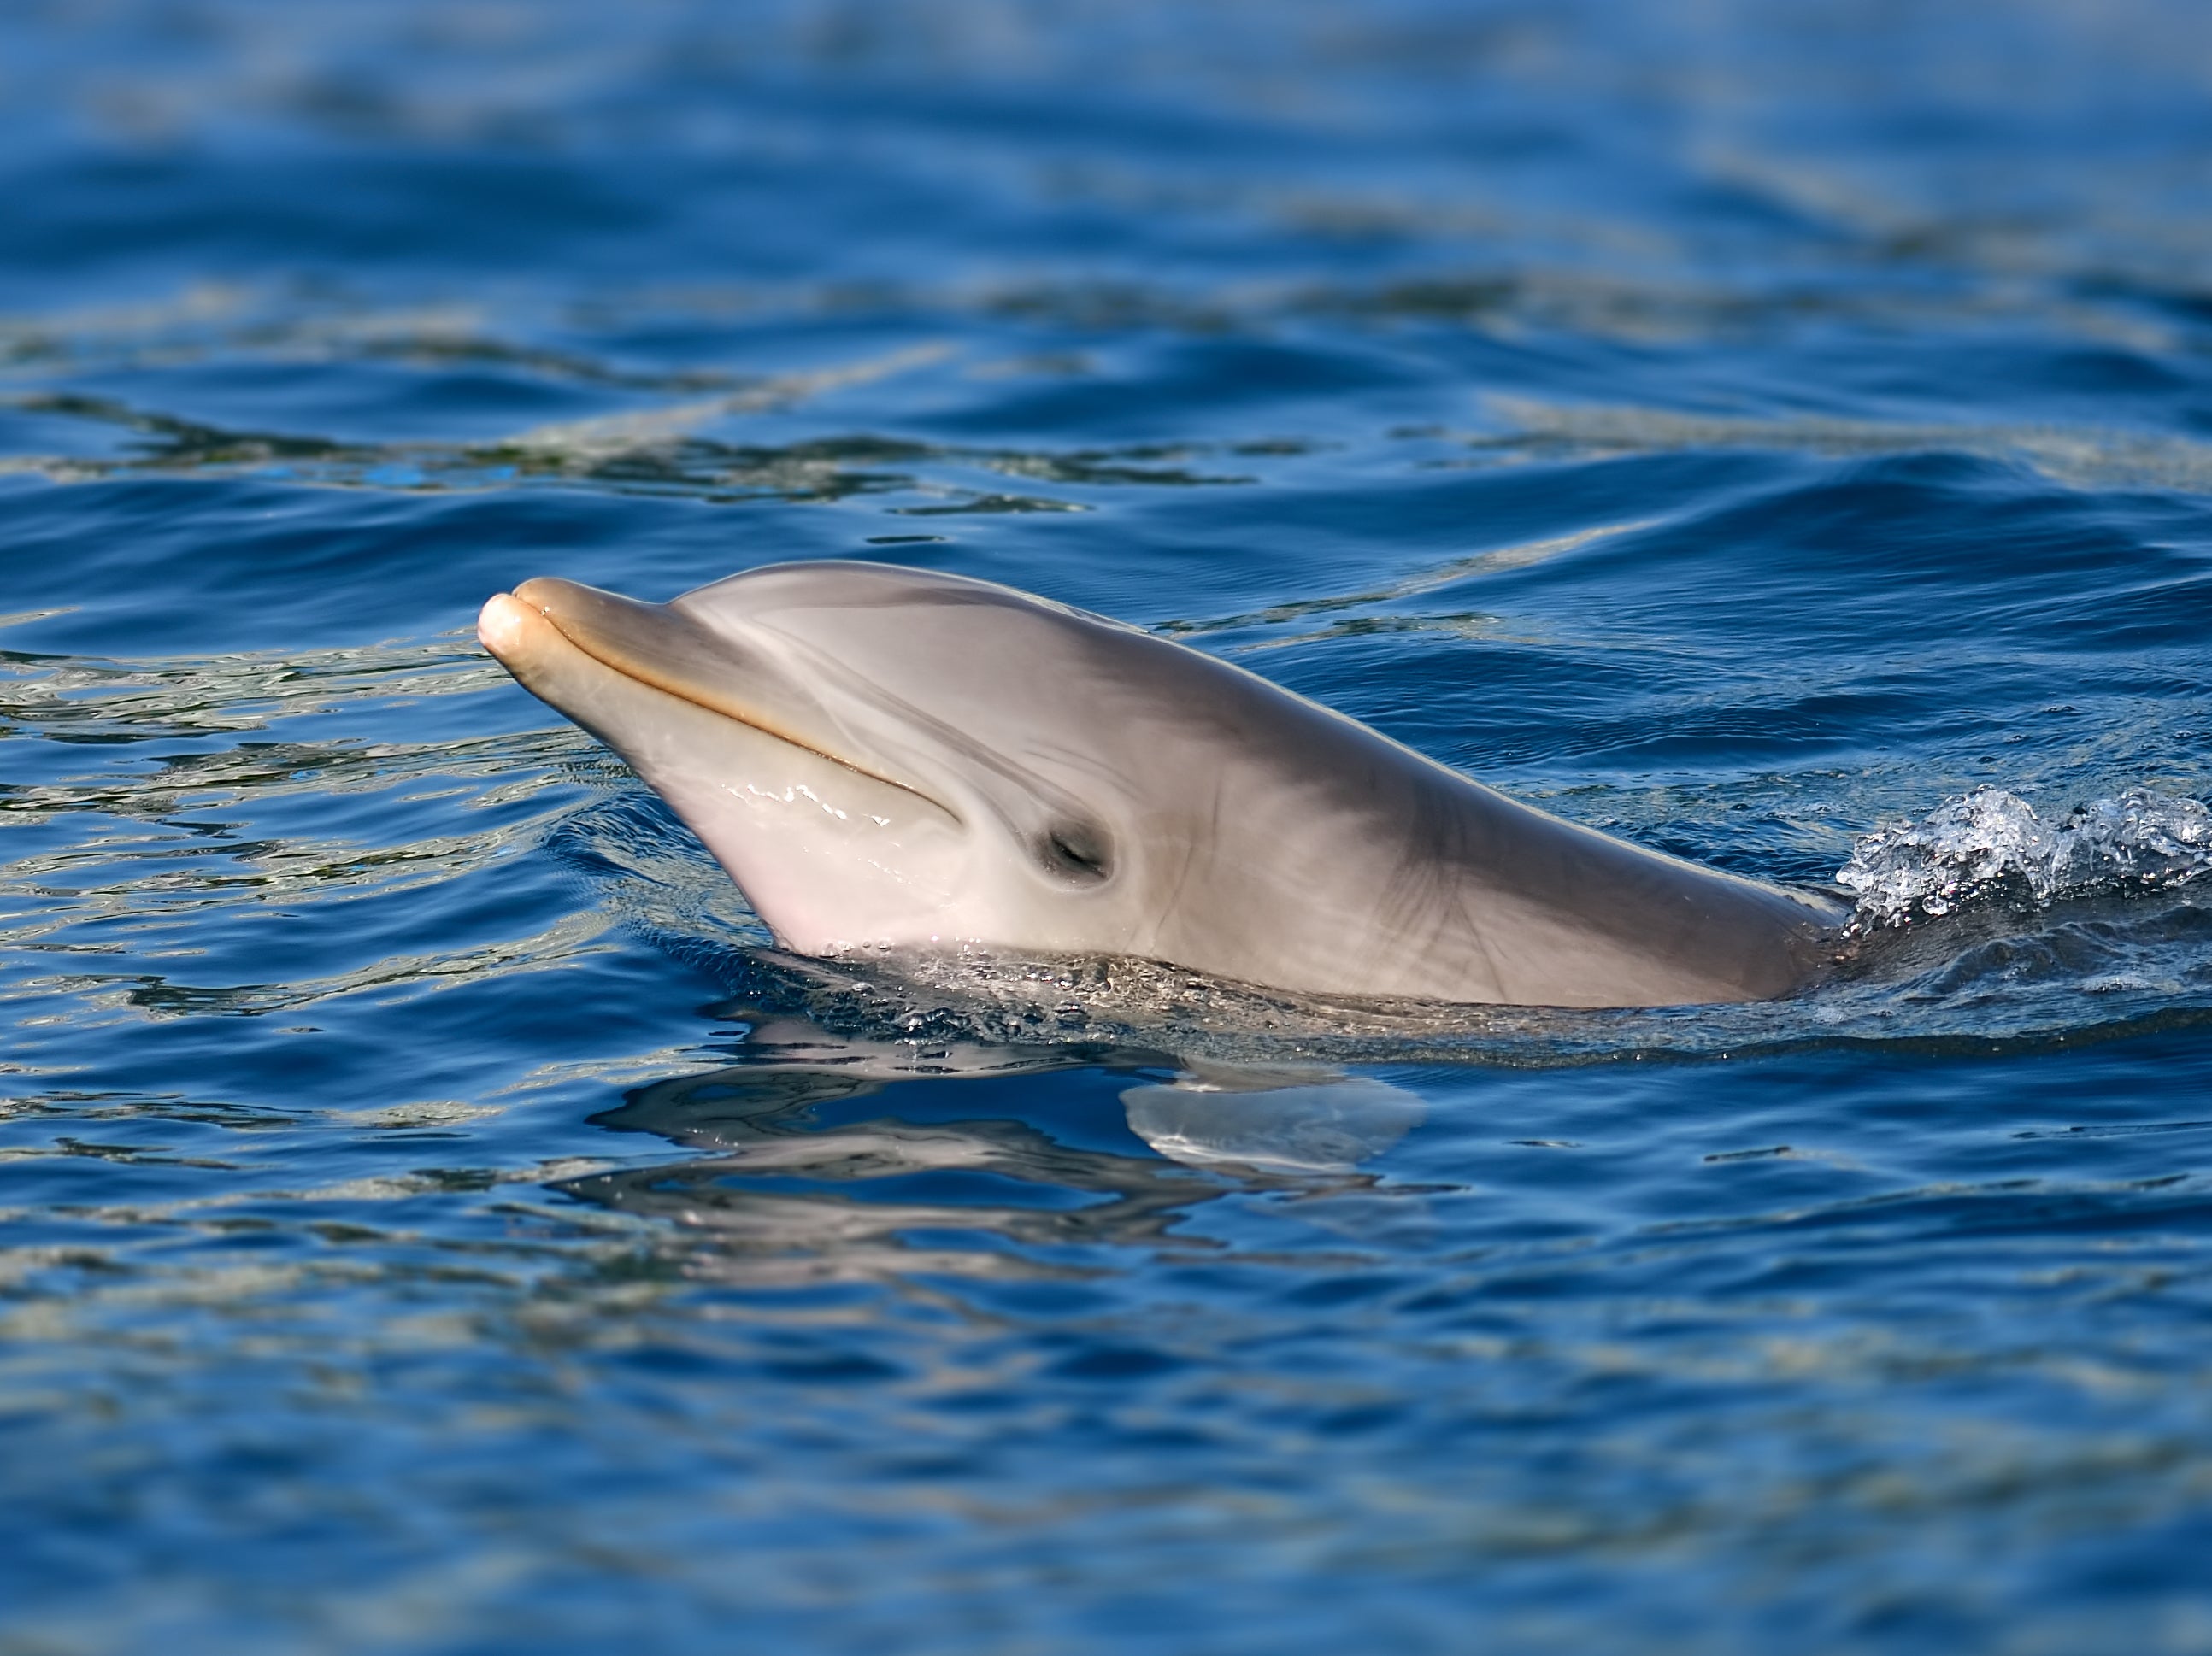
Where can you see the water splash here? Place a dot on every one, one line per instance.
(1990, 843)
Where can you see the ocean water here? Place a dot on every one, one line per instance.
(434, 1220)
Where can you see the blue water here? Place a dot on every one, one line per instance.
(432, 1222)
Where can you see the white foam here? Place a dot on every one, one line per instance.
(1991, 843)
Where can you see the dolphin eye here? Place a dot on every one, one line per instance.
(1076, 851)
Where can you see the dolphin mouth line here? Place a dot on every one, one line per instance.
(672, 685)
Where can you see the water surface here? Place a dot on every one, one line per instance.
(433, 1224)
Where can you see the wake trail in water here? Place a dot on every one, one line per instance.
(1990, 844)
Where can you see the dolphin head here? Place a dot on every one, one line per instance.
(886, 757)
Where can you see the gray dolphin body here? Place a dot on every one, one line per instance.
(888, 758)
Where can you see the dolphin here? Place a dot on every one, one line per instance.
(897, 760)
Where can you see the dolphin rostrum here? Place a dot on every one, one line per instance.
(893, 759)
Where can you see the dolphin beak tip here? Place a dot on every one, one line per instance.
(504, 623)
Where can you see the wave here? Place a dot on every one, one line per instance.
(1991, 844)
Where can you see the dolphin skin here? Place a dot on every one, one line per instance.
(893, 758)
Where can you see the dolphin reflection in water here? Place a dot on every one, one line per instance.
(836, 1156)
(889, 759)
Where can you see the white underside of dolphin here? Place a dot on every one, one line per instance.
(893, 758)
